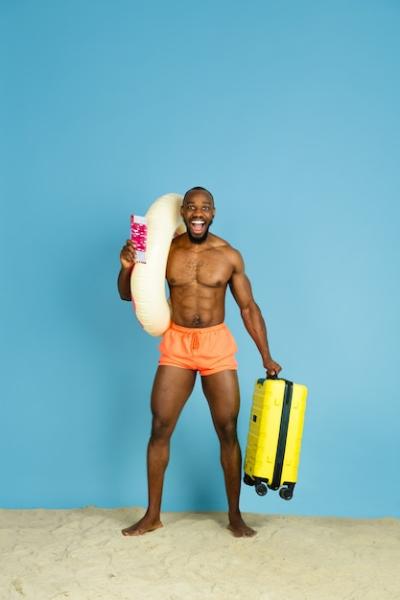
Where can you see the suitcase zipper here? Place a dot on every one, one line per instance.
(283, 430)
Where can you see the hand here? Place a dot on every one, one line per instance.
(128, 255)
(272, 367)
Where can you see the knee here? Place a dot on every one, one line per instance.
(161, 429)
(227, 431)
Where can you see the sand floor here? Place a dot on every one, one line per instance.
(80, 554)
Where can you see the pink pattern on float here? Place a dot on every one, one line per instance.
(139, 237)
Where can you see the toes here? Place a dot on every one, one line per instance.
(136, 530)
(250, 533)
(242, 531)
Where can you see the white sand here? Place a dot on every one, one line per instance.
(81, 555)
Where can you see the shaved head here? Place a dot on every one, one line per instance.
(197, 190)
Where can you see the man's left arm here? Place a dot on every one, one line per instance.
(250, 312)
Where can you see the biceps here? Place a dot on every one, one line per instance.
(241, 290)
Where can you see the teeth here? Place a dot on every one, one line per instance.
(197, 222)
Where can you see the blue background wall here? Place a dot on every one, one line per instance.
(288, 112)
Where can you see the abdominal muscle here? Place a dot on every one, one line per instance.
(197, 305)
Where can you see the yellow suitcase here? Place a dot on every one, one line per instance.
(274, 438)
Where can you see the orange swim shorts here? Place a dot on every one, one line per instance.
(204, 349)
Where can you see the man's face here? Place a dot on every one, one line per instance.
(198, 214)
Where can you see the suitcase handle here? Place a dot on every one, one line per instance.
(262, 379)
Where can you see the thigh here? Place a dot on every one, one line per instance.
(222, 392)
(171, 388)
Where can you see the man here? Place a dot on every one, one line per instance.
(200, 267)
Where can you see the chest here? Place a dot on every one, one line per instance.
(209, 268)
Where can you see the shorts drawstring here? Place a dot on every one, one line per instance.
(195, 341)
(207, 350)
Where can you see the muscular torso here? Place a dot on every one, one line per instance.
(197, 276)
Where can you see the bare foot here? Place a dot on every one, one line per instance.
(145, 525)
(239, 528)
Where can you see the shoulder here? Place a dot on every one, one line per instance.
(177, 241)
(231, 253)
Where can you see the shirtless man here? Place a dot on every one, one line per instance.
(199, 269)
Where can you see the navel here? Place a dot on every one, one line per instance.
(196, 320)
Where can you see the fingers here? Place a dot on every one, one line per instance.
(274, 371)
(128, 252)
(130, 245)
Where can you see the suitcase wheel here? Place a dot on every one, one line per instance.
(248, 480)
(261, 489)
(286, 493)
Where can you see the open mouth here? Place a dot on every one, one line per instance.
(197, 226)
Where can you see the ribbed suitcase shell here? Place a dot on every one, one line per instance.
(267, 433)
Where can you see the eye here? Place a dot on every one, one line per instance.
(206, 208)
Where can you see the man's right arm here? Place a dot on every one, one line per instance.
(127, 258)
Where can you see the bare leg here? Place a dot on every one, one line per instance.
(223, 396)
(172, 387)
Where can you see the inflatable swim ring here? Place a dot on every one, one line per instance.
(148, 280)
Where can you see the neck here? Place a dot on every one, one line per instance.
(195, 241)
